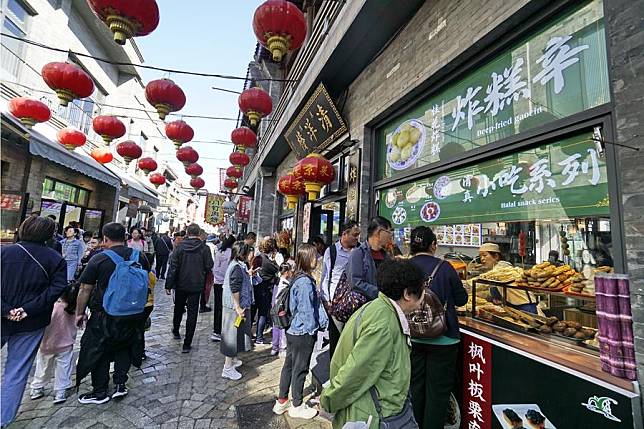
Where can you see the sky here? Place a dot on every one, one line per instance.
(211, 36)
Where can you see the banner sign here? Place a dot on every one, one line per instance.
(555, 73)
(477, 383)
(214, 209)
(244, 209)
(317, 126)
(558, 181)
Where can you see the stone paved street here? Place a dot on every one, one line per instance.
(173, 390)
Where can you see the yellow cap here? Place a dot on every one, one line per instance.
(490, 247)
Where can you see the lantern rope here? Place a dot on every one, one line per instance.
(144, 66)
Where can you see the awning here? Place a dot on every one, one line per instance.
(40, 145)
(134, 188)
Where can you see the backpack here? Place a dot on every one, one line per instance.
(281, 311)
(127, 290)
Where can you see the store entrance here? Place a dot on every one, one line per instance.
(326, 219)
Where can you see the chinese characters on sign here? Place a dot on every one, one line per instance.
(244, 208)
(318, 125)
(477, 383)
(214, 214)
(554, 73)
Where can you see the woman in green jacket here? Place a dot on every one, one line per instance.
(379, 354)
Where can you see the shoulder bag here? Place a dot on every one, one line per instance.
(429, 321)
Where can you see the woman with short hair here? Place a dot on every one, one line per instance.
(237, 298)
(307, 318)
(372, 356)
(33, 277)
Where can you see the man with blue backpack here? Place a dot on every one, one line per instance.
(115, 287)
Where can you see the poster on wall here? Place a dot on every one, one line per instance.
(556, 72)
(469, 235)
(563, 180)
(214, 210)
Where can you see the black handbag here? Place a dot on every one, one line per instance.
(403, 420)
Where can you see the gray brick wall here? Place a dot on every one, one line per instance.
(625, 29)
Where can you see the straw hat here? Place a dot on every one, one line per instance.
(490, 247)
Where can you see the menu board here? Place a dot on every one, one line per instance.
(468, 235)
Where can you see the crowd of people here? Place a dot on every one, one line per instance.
(376, 370)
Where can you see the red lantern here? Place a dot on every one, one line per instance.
(234, 171)
(230, 184)
(179, 132)
(108, 127)
(102, 155)
(71, 138)
(127, 18)
(165, 96)
(129, 151)
(239, 159)
(315, 171)
(197, 183)
(292, 188)
(243, 137)
(147, 164)
(194, 170)
(68, 80)
(279, 26)
(157, 179)
(187, 155)
(255, 103)
(29, 111)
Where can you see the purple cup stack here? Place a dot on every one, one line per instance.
(607, 296)
(626, 326)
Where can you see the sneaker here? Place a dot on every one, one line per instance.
(274, 352)
(176, 335)
(237, 363)
(119, 391)
(60, 397)
(260, 341)
(37, 393)
(186, 349)
(215, 337)
(280, 408)
(302, 412)
(231, 373)
(205, 309)
(93, 398)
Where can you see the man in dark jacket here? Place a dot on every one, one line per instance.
(163, 247)
(189, 264)
(33, 277)
(106, 338)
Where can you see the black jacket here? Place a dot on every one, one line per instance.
(268, 270)
(189, 264)
(24, 284)
(162, 245)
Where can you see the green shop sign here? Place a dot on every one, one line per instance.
(555, 73)
(558, 181)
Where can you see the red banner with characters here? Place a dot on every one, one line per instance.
(476, 409)
(244, 209)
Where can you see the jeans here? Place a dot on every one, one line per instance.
(181, 300)
(217, 290)
(433, 377)
(21, 352)
(299, 349)
(61, 363)
(162, 265)
(262, 307)
(101, 372)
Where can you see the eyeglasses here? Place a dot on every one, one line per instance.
(388, 231)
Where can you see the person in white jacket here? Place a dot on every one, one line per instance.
(222, 259)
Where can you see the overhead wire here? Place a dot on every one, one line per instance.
(143, 66)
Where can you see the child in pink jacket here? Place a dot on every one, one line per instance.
(57, 347)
